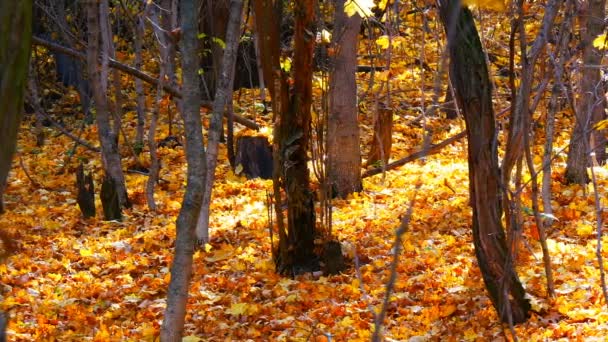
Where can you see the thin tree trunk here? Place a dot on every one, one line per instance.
(15, 45)
(108, 138)
(343, 146)
(294, 138)
(223, 94)
(469, 75)
(139, 74)
(181, 268)
(139, 87)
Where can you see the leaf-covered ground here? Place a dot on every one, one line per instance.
(76, 279)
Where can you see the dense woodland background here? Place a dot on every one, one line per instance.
(209, 170)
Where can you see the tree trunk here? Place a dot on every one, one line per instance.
(343, 146)
(109, 146)
(469, 75)
(294, 138)
(592, 102)
(222, 96)
(181, 269)
(15, 44)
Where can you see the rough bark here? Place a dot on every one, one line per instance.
(382, 140)
(108, 138)
(343, 146)
(222, 96)
(294, 138)
(15, 44)
(592, 102)
(469, 75)
(86, 192)
(181, 268)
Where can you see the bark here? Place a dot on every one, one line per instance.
(469, 75)
(343, 145)
(294, 138)
(181, 268)
(139, 86)
(161, 26)
(382, 142)
(592, 102)
(222, 96)
(15, 37)
(268, 44)
(109, 146)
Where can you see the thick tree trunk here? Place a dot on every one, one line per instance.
(469, 75)
(181, 269)
(222, 96)
(15, 38)
(592, 101)
(109, 146)
(343, 146)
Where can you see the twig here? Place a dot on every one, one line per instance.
(598, 249)
(137, 73)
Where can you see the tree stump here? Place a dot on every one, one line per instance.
(333, 260)
(109, 200)
(254, 155)
(381, 143)
(86, 193)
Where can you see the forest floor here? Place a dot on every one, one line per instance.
(73, 279)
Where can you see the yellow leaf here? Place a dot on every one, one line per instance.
(237, 309)
(238, 169)
(86, 252)
(363, 7)
(383, 42)
(191, 338)
(222, 254)
(286, 64)
(325, 36)
(495, 5)
(585, 229)
(600, 43)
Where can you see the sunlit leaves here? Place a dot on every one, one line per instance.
(496, 5)
(600, 41)
(361, 7)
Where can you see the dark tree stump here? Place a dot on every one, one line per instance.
(86, 193)
(254, 154)
(109, 200)
(333, 260)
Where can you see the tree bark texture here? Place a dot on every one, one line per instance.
(15, 45)
(222, 96)
(382, 139)
(294, 138)
(109, 139)
(592, 101)
(181, 268)
(469, 75)
(344, 152)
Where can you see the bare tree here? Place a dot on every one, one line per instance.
(470, 79)
(223, 95)
(181, 268)
(109, 138)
